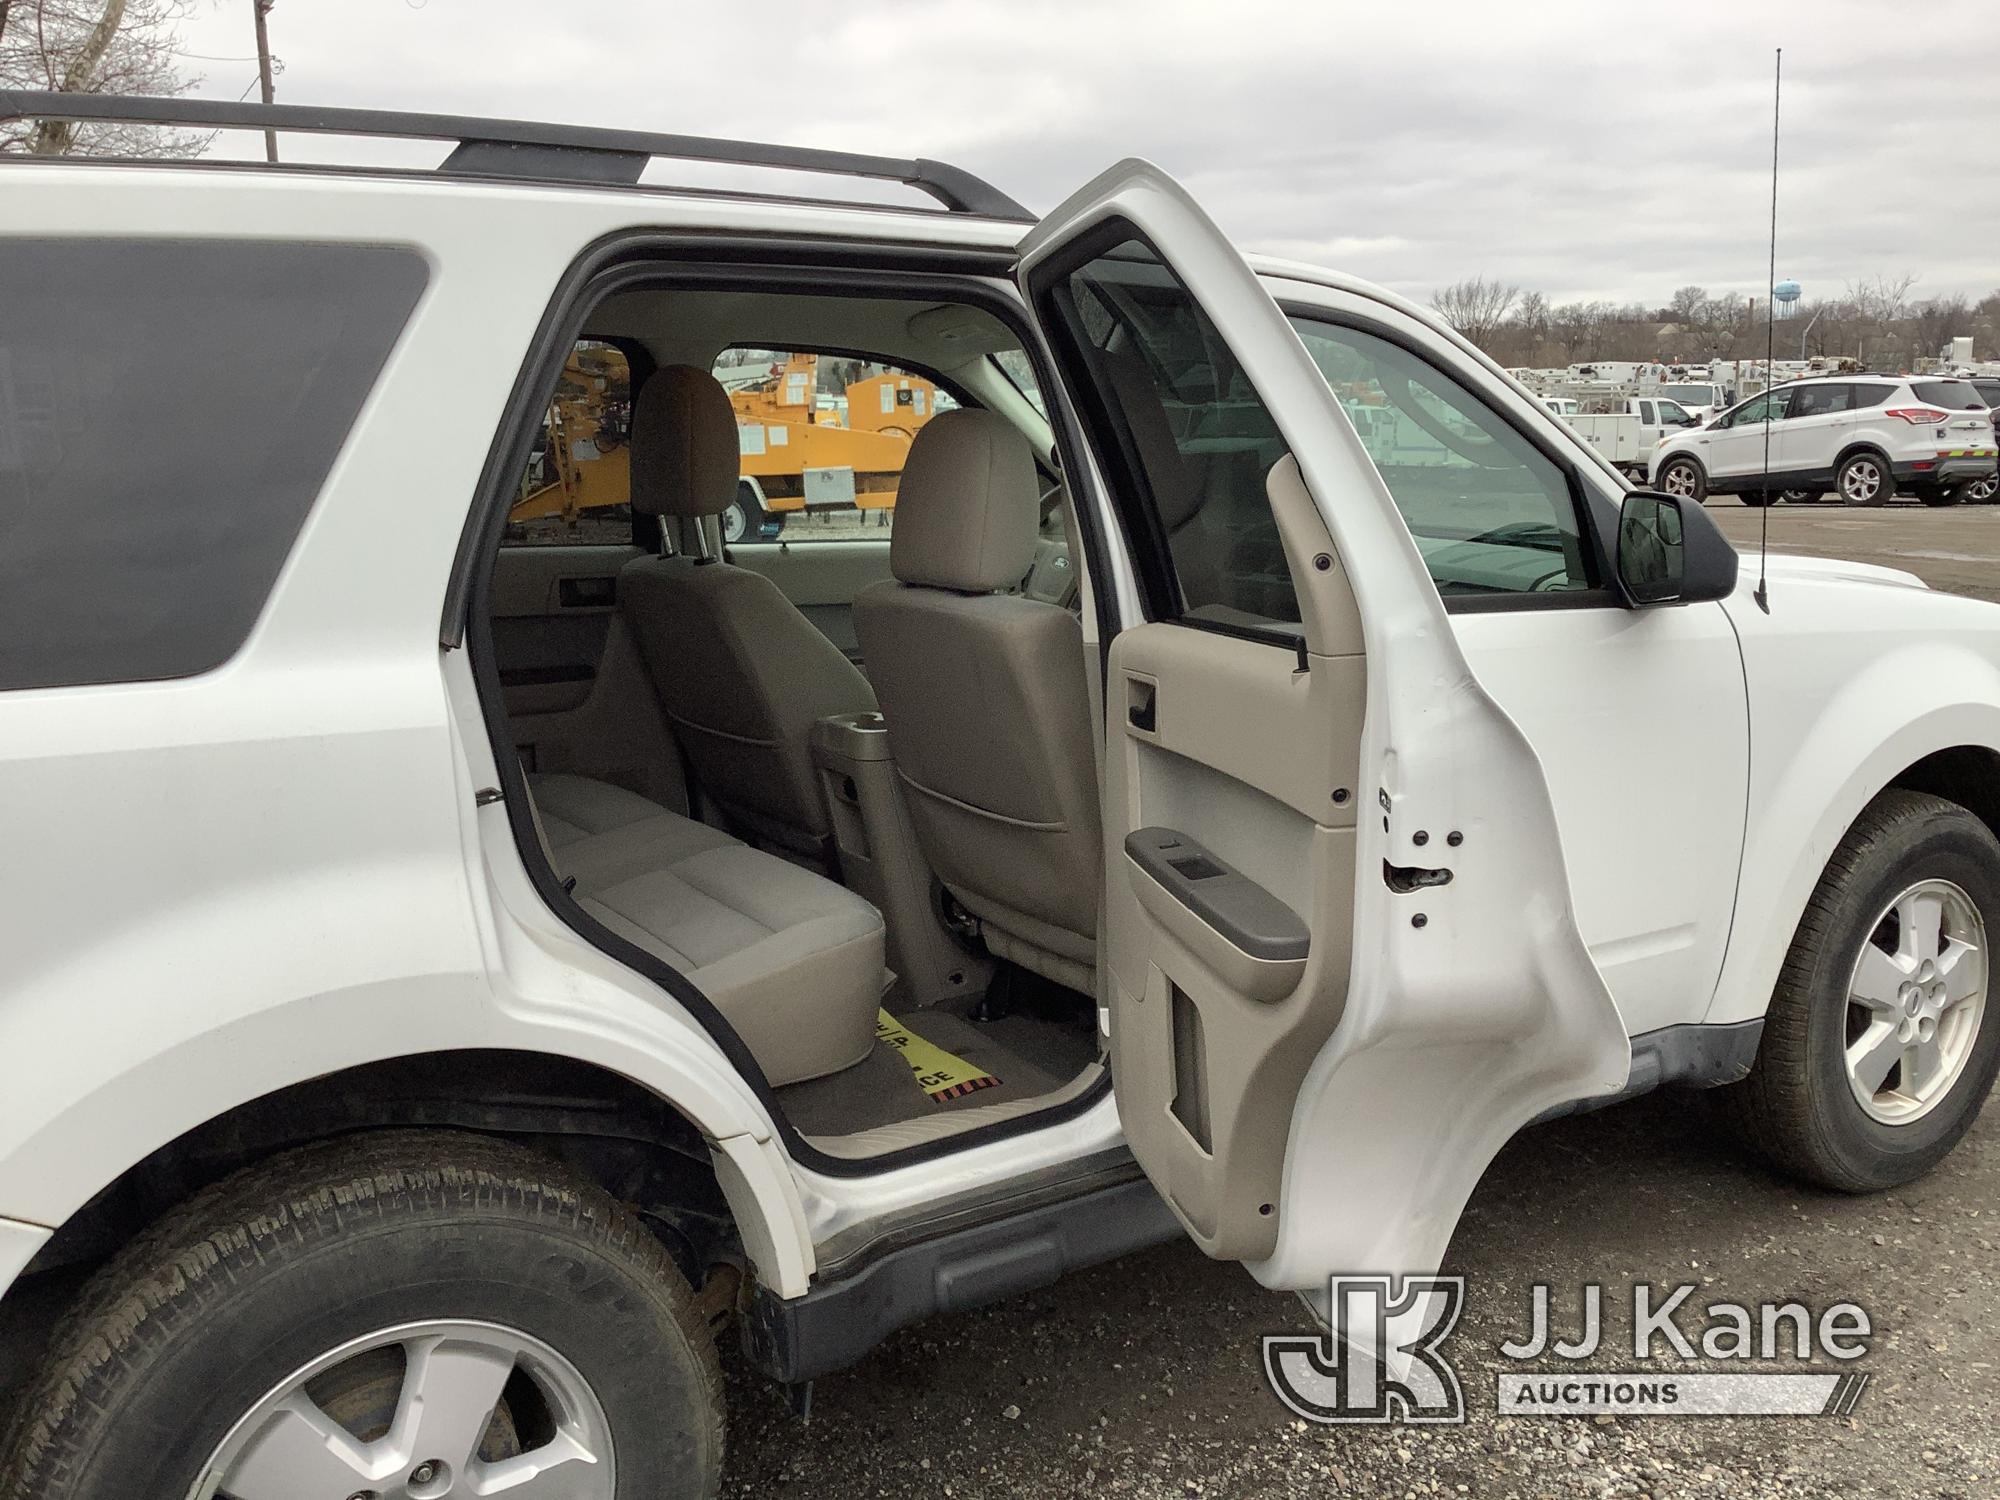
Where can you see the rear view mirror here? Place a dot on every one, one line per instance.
(1652, 554)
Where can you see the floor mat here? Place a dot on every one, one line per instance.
(1026, 1056)
(938, 1073)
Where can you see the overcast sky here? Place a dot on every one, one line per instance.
(1583, 149)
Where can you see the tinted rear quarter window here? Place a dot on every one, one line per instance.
(1871, 394)
(169, 410)
(1950, 395)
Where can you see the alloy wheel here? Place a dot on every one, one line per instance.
(1861, 481)
(1678, 480)
(1915, 1001)
(423, 1411)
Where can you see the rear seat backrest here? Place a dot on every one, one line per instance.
(740, 673)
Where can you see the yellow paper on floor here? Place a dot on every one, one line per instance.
(938, 1073)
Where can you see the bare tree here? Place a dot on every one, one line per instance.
(93, 47)
(1986, 324)
(1691, 307)
(1936, 321)
(1476, 307)
(1882, 298)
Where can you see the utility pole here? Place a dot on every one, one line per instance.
(262, 8)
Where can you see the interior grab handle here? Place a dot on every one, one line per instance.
(1141, 705)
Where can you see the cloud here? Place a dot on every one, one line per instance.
(1571, 147)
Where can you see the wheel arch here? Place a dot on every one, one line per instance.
(1870, 446)
(1823, 789)
(1681, 455)
(635, 1144)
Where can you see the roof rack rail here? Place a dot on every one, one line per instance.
(520, 149)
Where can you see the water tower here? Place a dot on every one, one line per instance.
(1785, 298)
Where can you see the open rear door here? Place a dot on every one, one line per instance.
(1342, 964)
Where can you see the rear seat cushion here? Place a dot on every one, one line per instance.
(792, 960)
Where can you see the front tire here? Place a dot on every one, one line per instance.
(1878, 1050)
(1684, 479)
(406, 1313)
(1863, 479)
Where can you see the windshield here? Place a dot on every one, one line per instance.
(1694, 395)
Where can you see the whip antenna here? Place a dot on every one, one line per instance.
(1763, 594)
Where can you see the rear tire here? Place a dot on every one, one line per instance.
(1800, 1107)
(1982, 491)
(1863, 479)
(343, 1287)
(1938, 495)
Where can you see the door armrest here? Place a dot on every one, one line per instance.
(1255, 943)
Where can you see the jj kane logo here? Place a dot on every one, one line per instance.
(1382, 1357)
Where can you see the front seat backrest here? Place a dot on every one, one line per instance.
(984, 693)
(740, 673)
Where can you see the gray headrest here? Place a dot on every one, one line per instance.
(967, 510)
(685, 459)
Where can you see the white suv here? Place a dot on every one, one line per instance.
(472, 938)
(1863, 436)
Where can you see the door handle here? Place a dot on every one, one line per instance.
(1142, 709)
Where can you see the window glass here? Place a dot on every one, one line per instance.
(1951, 395)
(1696, 395)
(1491, 513)
(1673, 414)
(1646, 412)
(168, 412)
(1867, 395)
(1014, 365)
(1820, 400)
(1753, 410)
(1194, 437)
(577, 487)
(823, 439)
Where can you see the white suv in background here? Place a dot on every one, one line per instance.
(1864, 436)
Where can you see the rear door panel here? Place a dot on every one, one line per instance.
(577, 694)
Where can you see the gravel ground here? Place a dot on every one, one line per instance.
(1142, 1377)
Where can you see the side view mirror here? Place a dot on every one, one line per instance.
(1651, 548)
(1670, 552)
